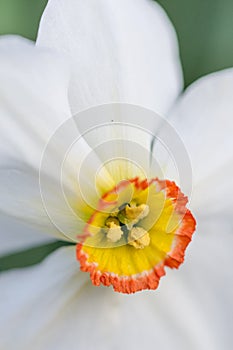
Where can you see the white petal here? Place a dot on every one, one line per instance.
(203, 118)
(16, 236)
(122, 51)
(48, 283)
(46, 203)
(54, 205)
(33, 98)
(33, 102)
(35, 114)
(21, 199)
(53, 306)
(121, 136)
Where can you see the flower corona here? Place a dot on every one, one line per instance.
(138, 228)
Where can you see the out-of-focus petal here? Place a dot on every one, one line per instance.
(47, 281)
(203, 119)
(122, 51)
(53, 305)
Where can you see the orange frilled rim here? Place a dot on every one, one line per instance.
(148, 278)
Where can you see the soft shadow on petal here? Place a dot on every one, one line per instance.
(122, 51)
(121, 135)
(203, 118)
(21, 199)
(15, 236)
(53, 306)
(43, 295)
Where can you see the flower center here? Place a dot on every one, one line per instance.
(126, 221)
(139, 227)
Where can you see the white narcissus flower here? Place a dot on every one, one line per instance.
(120, 51)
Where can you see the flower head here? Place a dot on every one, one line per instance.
(99, 179)
(128, 225)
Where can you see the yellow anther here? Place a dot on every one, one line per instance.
(114, 232)
(134, 214)
(138, 238)
(112, 220)
(114, 214)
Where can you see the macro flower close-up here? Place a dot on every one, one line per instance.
(106, 156)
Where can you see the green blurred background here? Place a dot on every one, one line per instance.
(204, 28)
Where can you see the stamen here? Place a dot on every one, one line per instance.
(112, 220)
(114, 232)
(134, 214)
(139, 238)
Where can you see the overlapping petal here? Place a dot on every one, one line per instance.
(36, 132)
(33, 101)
